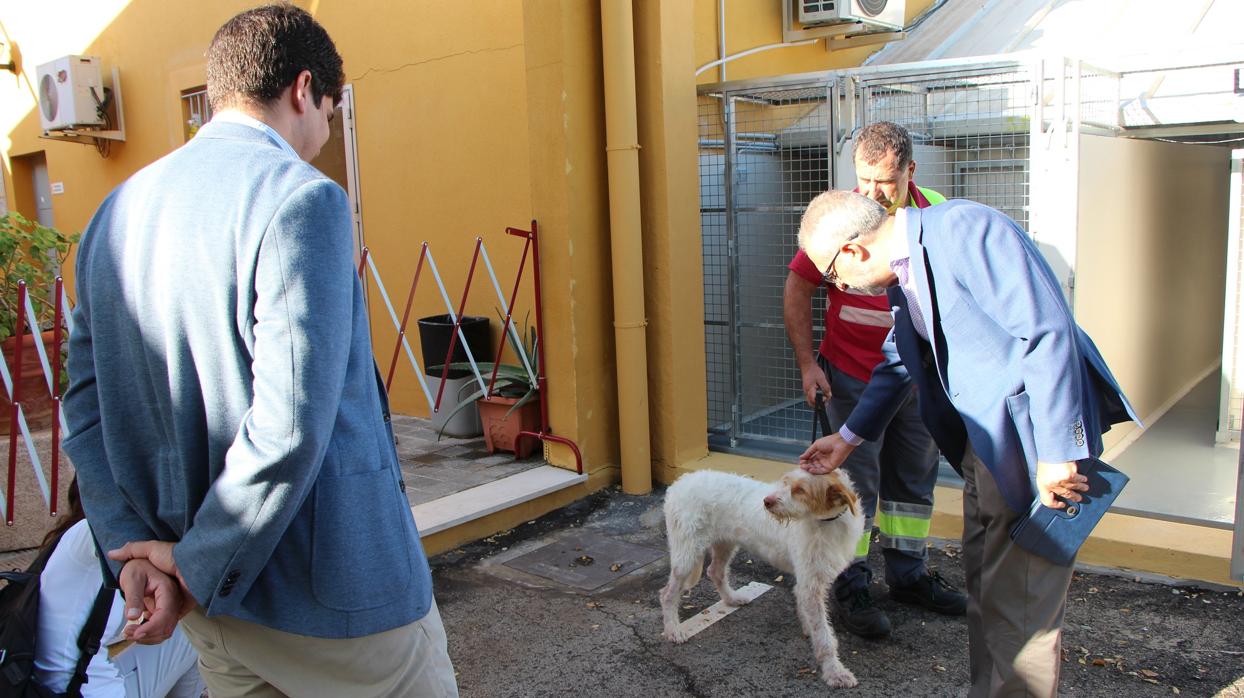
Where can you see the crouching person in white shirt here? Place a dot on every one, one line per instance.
(67, 590)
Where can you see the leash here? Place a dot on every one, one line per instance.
(820, 417)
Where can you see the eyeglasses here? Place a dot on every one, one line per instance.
(830, 276)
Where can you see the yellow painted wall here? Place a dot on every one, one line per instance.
(569, 197)
(673, 279)
(753, 23)
(1151, 264)
(442, 127)
(121, 33)
(441, 112)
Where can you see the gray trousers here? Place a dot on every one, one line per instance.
(897, 474)
(1015, 599)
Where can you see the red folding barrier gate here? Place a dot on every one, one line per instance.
(13, 386)
(479, 254)
(63, 321)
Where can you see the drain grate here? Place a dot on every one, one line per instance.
(585, 561)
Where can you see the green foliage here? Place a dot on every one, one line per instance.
(33, 253)
(513, 380)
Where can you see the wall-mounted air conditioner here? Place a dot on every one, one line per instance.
(888, 14)
(70, 91)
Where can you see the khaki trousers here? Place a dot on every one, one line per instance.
(1015, 599)
(238, 658)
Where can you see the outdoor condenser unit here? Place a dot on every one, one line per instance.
(888, 14)
(70, 89)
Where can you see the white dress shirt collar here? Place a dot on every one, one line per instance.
(234, 116)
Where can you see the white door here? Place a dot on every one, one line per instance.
(339, 159)
(43, 191)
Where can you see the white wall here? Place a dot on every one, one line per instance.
(1151, 262)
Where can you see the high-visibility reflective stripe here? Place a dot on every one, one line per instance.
(861, 547)
(912, 546)
(896, 526)
(866, 316)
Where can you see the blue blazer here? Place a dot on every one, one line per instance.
(1006, 367)
(223, 393)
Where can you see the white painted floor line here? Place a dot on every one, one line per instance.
(719, 610)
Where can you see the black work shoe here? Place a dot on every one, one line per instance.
(934, 593)
(858, 615)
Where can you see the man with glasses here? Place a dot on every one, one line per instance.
(894, 475)
(1012, 390)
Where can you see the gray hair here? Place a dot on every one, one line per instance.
(835, 217)
(877, 140)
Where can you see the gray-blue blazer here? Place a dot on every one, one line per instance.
(1006, 368)
(223, 392)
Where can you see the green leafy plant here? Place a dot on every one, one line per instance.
(513, 381)
(34, 253)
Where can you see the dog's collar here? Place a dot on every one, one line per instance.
(835, 517)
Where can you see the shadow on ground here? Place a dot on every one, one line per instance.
(516, 633)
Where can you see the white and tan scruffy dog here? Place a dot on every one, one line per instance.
(804, 524)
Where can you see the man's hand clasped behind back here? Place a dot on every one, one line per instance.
(153, 588)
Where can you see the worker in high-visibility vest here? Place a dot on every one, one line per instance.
(894, 476)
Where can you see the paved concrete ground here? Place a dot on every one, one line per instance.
(513, 633)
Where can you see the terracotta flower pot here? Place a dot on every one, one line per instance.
(500, 430)
(37, 403)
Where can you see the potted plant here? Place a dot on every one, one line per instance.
(514, 404)
(34, 253)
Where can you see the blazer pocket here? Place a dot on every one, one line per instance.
(85, 436)
(1021, 418)
(360, 549)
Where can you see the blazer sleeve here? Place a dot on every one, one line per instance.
(84, 443)
(888, 387)
(1013, 285)
(304, 282)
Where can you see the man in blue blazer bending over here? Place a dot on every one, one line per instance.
(226, 418)
(1011, 389)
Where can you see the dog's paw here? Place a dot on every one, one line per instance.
(675, 635)
(735, 600)
(839, 677)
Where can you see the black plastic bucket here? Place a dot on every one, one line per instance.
(434, 335)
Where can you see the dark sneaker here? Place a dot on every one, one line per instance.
(934, 593)
(858, 616)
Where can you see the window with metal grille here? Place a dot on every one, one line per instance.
(195, 111)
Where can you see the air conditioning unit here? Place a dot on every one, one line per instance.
(887, 14)
(70, 90)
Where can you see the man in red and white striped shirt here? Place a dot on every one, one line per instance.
(895, 476)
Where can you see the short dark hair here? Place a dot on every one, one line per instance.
(260, 52)
(877, 140)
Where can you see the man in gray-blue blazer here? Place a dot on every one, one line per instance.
(226, 419)
(1012, 390)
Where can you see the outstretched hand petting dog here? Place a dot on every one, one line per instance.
(825, 454)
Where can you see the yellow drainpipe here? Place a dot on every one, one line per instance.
(617, 30)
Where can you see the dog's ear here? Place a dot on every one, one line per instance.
(841, 493)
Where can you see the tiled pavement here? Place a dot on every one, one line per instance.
(433, 469)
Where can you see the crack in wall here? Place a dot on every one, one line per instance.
(433, 59)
